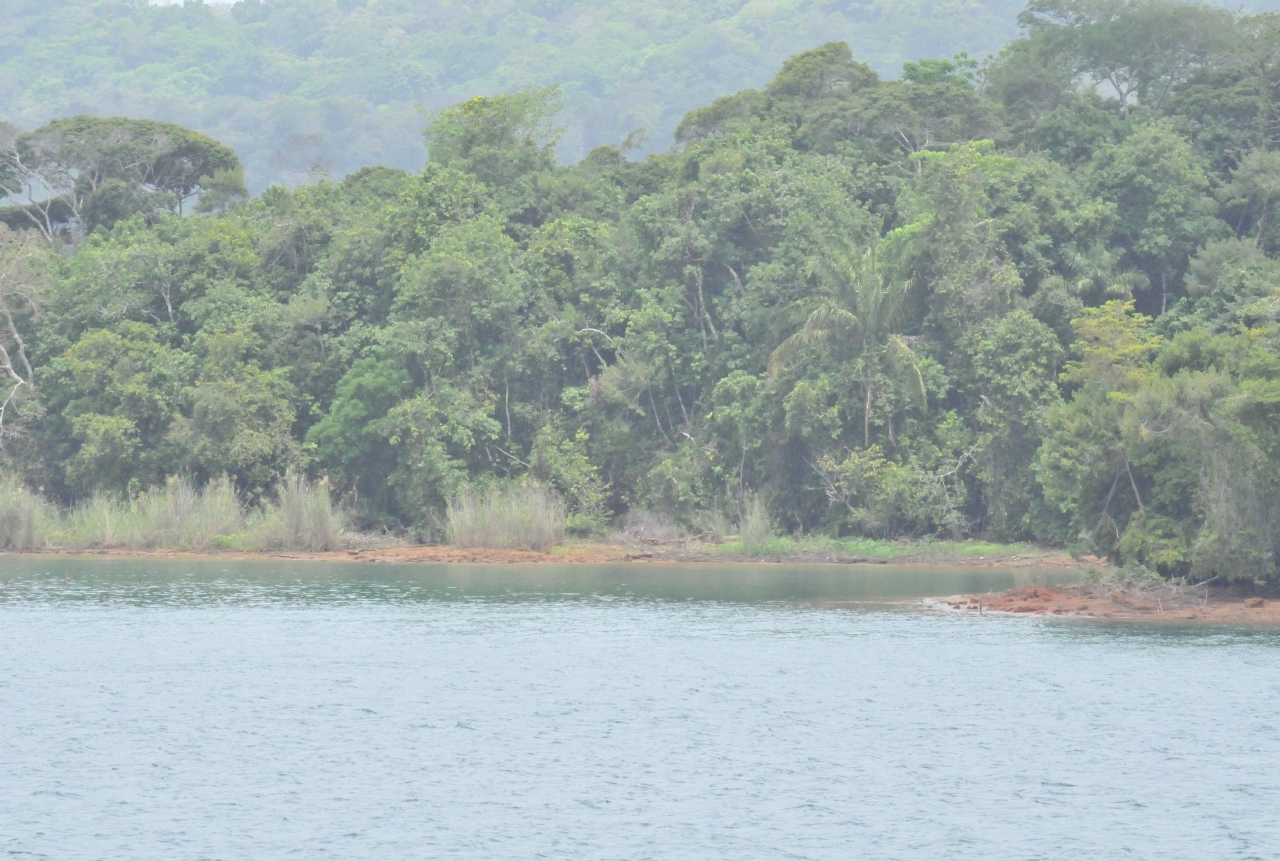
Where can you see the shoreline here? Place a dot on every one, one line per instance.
(1230, 605)
(601, 553)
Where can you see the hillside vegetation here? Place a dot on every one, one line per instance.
(1005, 302)
(300, 86)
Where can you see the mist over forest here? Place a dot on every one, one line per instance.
(301, 86)
(846, 289)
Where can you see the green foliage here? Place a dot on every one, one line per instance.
(497, 139)
(565, 466)
(972, 302)
(299, 87)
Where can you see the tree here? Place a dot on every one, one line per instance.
(1084, 460)
(1253, 195)
(1161, 194)
(23, 283)
(349, 439)
(1012, 380)
(84, 171)
(111, 399)
(1140, 49)
(860, 314)
(498, 139)
(238, 418)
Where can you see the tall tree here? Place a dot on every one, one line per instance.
(88, 171)
(864, 304)
(23, 283)
(1140, 49)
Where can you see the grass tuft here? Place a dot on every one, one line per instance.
(24, 517)
(524, 516)
(176, 516)
(302, 517)
(755, 530)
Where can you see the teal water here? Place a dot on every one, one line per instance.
(199, 710)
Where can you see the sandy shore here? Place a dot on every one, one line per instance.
(1233, 605)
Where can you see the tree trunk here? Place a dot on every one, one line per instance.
(866, 416)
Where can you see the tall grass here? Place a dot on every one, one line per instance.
(302, 517)
(755, 529)
(519, 517)
(178, 515)
(24, 517)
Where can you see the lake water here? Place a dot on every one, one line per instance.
(202, 710)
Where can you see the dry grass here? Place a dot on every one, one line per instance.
(24, 517)
(520, 517)
(302, 517)
(755, 529)
(178, 515)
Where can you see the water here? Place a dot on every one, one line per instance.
(183, 710)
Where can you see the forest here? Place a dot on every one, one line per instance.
(299, 87)
(1036, 298)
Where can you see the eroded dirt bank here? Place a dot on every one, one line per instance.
(1231, 605)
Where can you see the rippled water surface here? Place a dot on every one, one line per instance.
(199, 710)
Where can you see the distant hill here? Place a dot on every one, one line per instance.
(295, 85)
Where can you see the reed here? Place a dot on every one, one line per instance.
(523, 516)
(755, 529)
(177, 515)
(302, 517)
(24, 517)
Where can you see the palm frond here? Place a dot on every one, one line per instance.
(1124, 284)
(826, 323)
(838, 269)
(1057, 282)
(786, 352)
(904, 360)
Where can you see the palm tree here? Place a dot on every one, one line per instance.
(1094, 272)
(861, 309)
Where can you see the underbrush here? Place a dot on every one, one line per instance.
(524, 516)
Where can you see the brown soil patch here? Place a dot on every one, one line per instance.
(1229, 606)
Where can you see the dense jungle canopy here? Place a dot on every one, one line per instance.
(1036, 298)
